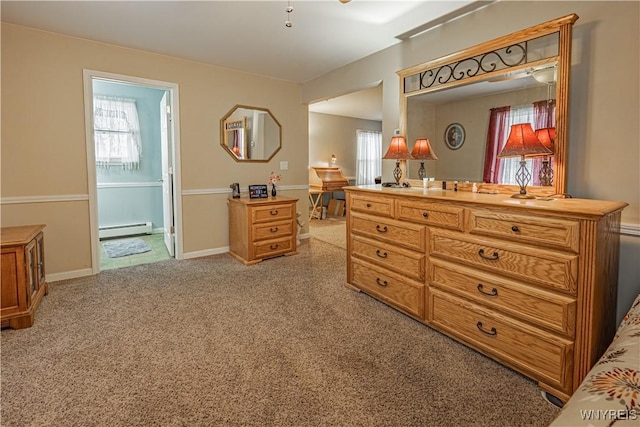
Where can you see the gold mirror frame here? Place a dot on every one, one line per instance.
(237, 127)
(563, 27)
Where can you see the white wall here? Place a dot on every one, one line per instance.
(330, 134)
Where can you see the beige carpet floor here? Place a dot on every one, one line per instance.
(211, 342)
(331, 230)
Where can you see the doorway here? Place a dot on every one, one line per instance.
(334, 126)
(134, 198)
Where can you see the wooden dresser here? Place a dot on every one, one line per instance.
(530, 283)
(262, 228)
(23, 274)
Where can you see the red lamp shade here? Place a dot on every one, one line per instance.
(547, 136)
(398, 149)
(523, 141)
(422, 150)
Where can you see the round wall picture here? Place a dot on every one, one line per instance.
(454, 136)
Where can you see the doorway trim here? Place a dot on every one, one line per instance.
(88, 77)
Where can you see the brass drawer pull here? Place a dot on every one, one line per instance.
(493, 257)
(381, 254)
(381, 282)
(492, 332)
(515, 229)
(493, 293)
(274, 246)
(382, 229)
(274, 212)
(425, 214)
(273, 229)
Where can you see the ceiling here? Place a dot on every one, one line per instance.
(249, 36)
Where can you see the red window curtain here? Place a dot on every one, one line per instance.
(496, 138)
(544, 115)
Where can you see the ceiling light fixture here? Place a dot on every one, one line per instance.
(344, 1)
(288, 9)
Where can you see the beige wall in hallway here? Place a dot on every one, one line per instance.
(329, 134)
(44, 148)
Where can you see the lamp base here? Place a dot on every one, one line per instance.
(522, 178)
(397, 173)
(523, 196)
(422, 172)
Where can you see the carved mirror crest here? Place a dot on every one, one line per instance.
(523, 68)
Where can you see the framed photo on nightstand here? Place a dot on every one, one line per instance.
(258, 192)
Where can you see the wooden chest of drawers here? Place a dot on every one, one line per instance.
(532, 284)
(262, 228)
(23, 274)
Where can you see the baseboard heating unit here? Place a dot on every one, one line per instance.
(124, 230)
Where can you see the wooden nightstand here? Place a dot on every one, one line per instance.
(262, 228)
(23, 274)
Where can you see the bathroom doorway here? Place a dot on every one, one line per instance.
(132, 138)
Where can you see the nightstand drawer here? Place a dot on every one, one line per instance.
(390, 287)
(402, 261)
(272, 212)
(553, 269)
(274, 247)
(382, 206)
(404, 234)
(539, 307)
(272, 230)
(429, 213)
(559, 233)
(544, 356)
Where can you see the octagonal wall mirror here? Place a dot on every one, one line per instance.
(525, 68)
(250, 134)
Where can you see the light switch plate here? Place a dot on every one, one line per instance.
(284, 166)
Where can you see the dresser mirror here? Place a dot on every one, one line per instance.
(520, 71)
(250, 134)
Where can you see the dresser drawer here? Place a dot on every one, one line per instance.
(402, 261)
(430, 213)
(272, 230)
(541, 308)
(559, 233)
(400, 292)
(404, 234)
(544, 356)
(272, 212)
(553, 269)
(273, 247)
(381, 206)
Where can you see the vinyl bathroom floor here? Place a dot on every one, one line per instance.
(158, 253)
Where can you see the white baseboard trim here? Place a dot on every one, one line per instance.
(206, 252)
(102, 185)
(630, 229)
(56, 277)
(223, 250)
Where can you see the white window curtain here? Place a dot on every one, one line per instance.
(509, 166)
(116, 132)
(368, 156)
